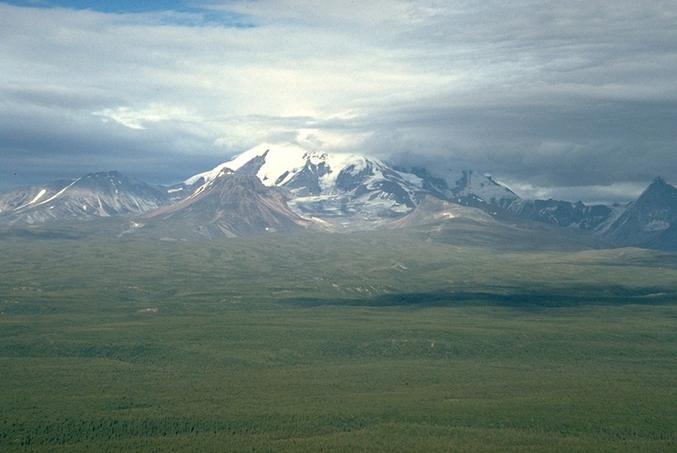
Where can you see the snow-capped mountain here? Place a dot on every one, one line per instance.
(466, 187)
(284, 187)
(356, 191)
(342, 188)
(102, 194)
(326, 185)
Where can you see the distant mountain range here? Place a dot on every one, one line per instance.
(277, 188)
(105, 194)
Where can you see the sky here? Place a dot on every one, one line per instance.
(566, 99)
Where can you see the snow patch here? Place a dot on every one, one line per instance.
(58, 193)
(38, 196)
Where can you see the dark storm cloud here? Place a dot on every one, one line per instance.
(38, 144)
(571, 99)
(583, 144)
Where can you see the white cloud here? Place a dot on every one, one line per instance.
(153, 113)
(617, 192)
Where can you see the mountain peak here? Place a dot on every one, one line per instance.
(100, 175)
(659, 188)
(324, 183)
(105, 173)
(659, 181)
(234, 204)
(241, 182)
(650, 219)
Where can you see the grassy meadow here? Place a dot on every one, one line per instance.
(382, 341)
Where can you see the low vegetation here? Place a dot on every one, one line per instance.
(378, 341)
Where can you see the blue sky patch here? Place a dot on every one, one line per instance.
(208, 16)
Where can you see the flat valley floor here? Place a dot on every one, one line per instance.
(373, 342)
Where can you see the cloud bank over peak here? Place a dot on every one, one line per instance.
(555, 97)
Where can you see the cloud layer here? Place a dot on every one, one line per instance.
(568, 99)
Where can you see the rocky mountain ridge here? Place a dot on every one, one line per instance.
(285, 187)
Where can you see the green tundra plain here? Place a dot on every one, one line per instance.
(378, 341)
